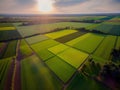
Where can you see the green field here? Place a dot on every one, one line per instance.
(63, 70)
(6, 24)
(88, 44)
(4, 67)
(25, 50)
(9, 35)
(36, 76)
(106, 27)
(106, 47)
(36, 39)
(41, 48)
(3, 47)
(70, 37)
(7, 28)
(58, 48)
(81, 82)
(76, 40)
(59, 34)
(73, 57)
(44, 28)
(11, 49)
(118, 43)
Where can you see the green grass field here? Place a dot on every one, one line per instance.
(88, 44)
(63, 70)
(76, 40)
(11, 49)
(36, 39)
(58, 48)
(41, 48)
(81, 82)
(6, 24)
(7, 28)
(44, 28)
(9, 34)
(59, 34)
(24, 48)
(106, 47)
(70, 37)
(118, 43)
(4, 67)
(36, 76)
(73, 57)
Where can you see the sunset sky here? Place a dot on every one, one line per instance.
(59, 6)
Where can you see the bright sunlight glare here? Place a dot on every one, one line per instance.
(45, 6)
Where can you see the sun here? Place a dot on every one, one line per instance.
(45, 6)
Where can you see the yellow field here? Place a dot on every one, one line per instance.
(7, 28)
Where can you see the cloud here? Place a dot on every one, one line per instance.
(61, 3)
(91, 6)
(61, 6)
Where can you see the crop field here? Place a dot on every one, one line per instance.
(35, 29)
(118, 43)
(107, 27)
(106, 47)
(36, 39)
(80, 81)
(25, 50)
(8, 49)
(9, 35)
(87, 43)
(71, 53)
(60, 68)
(41, 48)
(68, 53)
(4, 67)
(58, 48)
(59, 34)
(7, 28)
(69, 37)
(35, 75)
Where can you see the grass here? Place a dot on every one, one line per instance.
(76, 40)
(59, 34)
(6, 24)
(115, 30)
(87, 42)
(41, 48)
(35, 76)
(73, 57)
(63, 70)
(11, 49)
(24, 48)
(69, 37)
(106, 47)
(118, 43)
(90, 43)
(9, 35)
(58, 48)
(7, 28)
(4, 67)
(81, 82)
(36, 39)
(104, 28)
(44, 28)
(3, 47)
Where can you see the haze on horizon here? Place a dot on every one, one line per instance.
(59, 6)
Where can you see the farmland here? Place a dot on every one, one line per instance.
(61, 53)
(93, 40)
(106, 47)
